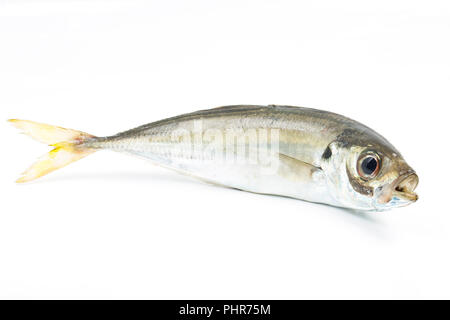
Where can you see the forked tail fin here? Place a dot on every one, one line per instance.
(67, 143)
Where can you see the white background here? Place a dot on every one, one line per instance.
(113, 226)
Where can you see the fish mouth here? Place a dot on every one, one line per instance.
(404, 186)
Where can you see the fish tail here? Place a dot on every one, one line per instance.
(68, 146)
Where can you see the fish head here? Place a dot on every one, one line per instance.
(368, 173)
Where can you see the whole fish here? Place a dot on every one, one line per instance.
(296, 152)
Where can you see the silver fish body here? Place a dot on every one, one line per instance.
(296, 152)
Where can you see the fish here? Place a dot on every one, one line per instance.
(297, 152)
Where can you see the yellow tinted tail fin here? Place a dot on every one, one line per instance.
(67, 143)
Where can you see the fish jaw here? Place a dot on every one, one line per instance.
(405, 186)
(400, 193)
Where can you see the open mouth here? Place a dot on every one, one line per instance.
(405, 186)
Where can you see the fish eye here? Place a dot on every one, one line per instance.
(369, 165)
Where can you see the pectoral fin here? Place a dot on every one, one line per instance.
(297, 170)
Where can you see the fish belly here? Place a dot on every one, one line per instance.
(266, 174)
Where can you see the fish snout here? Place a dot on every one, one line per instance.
(405, 185)
(398, 193)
